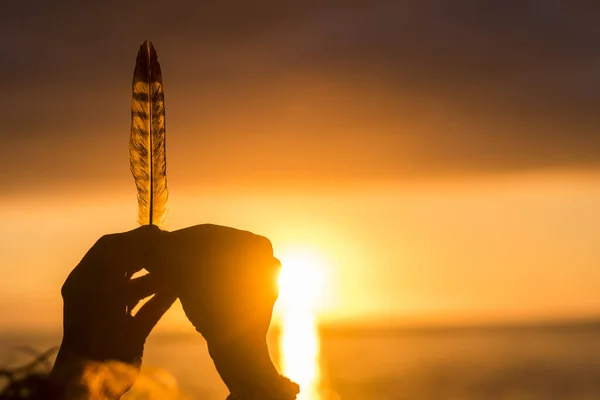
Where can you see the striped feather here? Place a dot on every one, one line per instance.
(147, 146)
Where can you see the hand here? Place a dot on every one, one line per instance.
(103, 343)
(227, 282)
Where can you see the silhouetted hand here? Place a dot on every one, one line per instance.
(226, 280)
(103, 344)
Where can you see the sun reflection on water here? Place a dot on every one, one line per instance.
(300, 345)
(300, 284)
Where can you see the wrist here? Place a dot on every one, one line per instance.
(66, 373)
(279, 389)
(248, 371)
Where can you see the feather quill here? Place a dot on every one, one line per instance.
(147, 145)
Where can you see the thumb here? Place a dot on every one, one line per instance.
(143, 244)
(151, 312)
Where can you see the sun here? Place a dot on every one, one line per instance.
(301, 279)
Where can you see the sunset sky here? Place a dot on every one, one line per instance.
(441, 159)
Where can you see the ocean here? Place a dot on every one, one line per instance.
(503, 363)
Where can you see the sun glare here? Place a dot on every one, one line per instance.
(300, 280)
(300, 283)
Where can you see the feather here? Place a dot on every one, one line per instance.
(147, 145)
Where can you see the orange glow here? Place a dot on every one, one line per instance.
(444, 251)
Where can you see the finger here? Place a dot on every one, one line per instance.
(277, 264)
(129, 252)
(139, 288)
(151, 312)
(142, 246)
(271, 279)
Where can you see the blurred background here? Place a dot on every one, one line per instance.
(427, 171)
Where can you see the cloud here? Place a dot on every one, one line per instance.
(345, 90)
